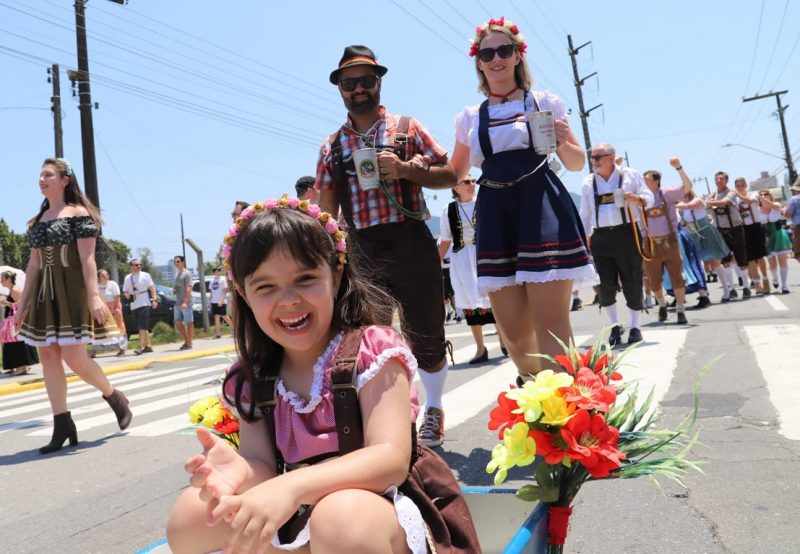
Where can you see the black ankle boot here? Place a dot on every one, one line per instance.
(63, 429)
(119, 403)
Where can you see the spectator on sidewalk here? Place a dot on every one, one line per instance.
(139, 289)
(110, 293)
(219, 301)
(184, 317)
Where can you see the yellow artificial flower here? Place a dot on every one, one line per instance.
(543, 386)
(556, 411)
(214, 415)
(198, 410)
(520, 445)
(498, 463)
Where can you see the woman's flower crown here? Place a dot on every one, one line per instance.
(483, 30)
(67, 166)
(304, 206)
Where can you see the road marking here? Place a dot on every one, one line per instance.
(161, 426)
(776, 304)
(777, 352)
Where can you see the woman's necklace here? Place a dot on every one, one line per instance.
(504, 97)
(471, 220)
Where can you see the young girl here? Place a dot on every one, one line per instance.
(296, 292)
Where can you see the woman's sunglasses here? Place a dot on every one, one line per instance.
(487, 54)
(366, 82)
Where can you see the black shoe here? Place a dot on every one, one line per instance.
(702, 302)
(741, 283)
(725, 299)
(448, 317)
(576, 304)
(682, 318)
(147, 349)
(673, 303)
(63, 429)
(634, 336)
(733, 294)
(595, 300)
(662, 313)
(745, 293)
(480, 358)
(119, 403)
(785, 291)
(504, 350)
(615, 336)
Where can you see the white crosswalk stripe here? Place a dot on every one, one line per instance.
(161, 396)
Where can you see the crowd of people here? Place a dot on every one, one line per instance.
(301, 287)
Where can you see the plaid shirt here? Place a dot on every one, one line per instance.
(371, 207)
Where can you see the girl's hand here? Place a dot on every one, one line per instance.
(255, 516)
(218, 471)
(98, 309)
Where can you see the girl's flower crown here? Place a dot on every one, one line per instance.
(304, 206)
(66, 165)
(483, 30)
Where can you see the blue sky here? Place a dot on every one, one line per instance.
(202, 103)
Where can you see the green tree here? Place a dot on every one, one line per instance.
(14, 247)
(208, 267)
(146, 256)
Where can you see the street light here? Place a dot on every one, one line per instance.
(729, 144)
(85, 103)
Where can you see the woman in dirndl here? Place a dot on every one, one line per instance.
(531, 244)
(17, 356)
(458, 224)
(60, 310)
(779, 247)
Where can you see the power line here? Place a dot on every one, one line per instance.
(774, 46)
(537, 37)
(429, 28)
(459, 13)
(755, 48)
(788, 59)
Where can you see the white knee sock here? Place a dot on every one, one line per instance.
(741, 274)
(724, 275)
(434, 386)
(612, 313)
(634, 319)
(785, 278)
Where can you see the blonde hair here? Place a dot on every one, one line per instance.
(522, 75)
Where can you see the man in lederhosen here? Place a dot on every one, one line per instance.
(724, 205)
(755, 239)
(388, 223)
(608, 197)
(662, 233)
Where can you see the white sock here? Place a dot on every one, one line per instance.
(774, 272)
(662, 301)
(740, 274)
(724, 278)
(612, 313)
(785, 278)
(434, 386)
(635, 318)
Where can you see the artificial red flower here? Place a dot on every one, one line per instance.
(589, 391)
(593, 443)
(473, 50)
(514, 29)
(501, 416)
(549, 445)
(576, 360)
(522, 48)
(228, 425)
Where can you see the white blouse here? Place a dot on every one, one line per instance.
(465, 212)
(504, 137)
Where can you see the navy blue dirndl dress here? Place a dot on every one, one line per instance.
(528, 231)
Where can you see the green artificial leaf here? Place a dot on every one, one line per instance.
(534, 493)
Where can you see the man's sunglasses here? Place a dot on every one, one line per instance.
(487, 54)
(136, 265)
(597, 157)
(366, 82)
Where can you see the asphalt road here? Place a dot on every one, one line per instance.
(111, 494)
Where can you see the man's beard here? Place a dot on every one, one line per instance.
(363, 105)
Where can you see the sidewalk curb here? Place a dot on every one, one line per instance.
(38, 383)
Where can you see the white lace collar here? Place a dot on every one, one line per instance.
(297, 402)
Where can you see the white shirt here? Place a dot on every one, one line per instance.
(109, 291)
(504, 137)
(632, 181)
(465, 211)
(218, 286)
(751, 213)
(141, 283)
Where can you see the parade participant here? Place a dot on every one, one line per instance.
(458, 223)
(608, 198)
(708, 242)
(384, 210)
(449, 294)
(724, 204)
(792, 211)
(17, 356)
(140, 290)
(755, 239)
(298, 292)
(238, 206)
(530, 245)
(304, 187)
(60, 310)
(778, 244)
(110, 293)
(662, 231)
(219, 301)
(183, 314)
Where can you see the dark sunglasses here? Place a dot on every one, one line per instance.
(487, 54)
(136, 265)
(366, 82)
(597, 157)
(467, 182)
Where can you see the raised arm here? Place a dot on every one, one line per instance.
(677, 166)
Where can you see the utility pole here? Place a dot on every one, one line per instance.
(573, 53)
(627, 162)
(183, 239)
(781, 109)
(56, 107)
(85, 106)
(698, 179)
